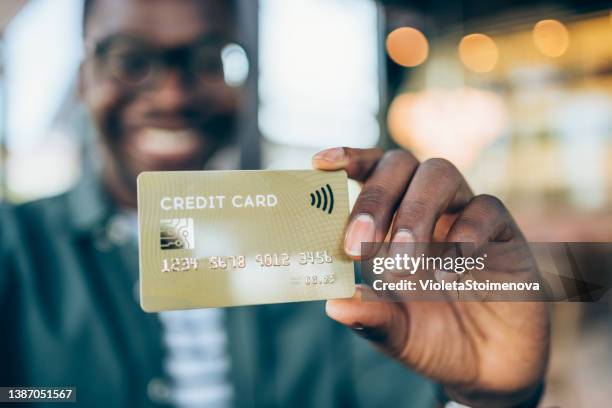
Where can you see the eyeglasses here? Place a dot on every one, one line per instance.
(138, 64)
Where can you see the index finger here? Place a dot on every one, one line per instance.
(358, 163)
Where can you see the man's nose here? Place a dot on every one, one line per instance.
(171, 91)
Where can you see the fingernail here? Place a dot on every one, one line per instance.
(402, 244)
(403, 236)
(332, 155)
(444, 276)
(361, 229)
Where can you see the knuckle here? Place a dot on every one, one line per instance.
(414, 210)
(364, 154)
(398, 154)
(352, 153)
(364, 159)
(374, 196)
(489, 202)
(443, 168)
(440, 164)
(468, 230)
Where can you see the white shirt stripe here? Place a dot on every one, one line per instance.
(198, 363)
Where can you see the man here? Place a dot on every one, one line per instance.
(152, 80)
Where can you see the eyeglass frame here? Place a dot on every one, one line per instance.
(165, 58)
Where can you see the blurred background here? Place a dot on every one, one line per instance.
(517, 94)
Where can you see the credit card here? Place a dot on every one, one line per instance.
(232, 238)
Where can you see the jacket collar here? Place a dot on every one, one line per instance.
(90, 206)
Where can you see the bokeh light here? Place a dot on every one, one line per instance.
(551, 38)
(456, 124)
(478, 52)
(407, 46)
(235, 64)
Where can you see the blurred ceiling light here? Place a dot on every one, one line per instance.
(478, 52)
(235, 64)
(407, 46)
(551, 38)
(454, 124)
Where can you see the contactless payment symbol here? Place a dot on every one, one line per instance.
(176, 233)
(323, 199)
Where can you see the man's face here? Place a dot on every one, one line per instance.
(153, 83)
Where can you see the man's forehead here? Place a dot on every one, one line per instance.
(165, 22)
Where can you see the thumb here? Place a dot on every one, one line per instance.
(358, 163)
(383, 322)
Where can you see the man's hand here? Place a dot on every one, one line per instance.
(483, 353)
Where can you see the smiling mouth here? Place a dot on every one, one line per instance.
(166, 145)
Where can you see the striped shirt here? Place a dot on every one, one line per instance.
(197, 361)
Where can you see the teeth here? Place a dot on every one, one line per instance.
(168, 138)
(161, 141)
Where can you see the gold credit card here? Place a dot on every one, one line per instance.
(230, 238)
